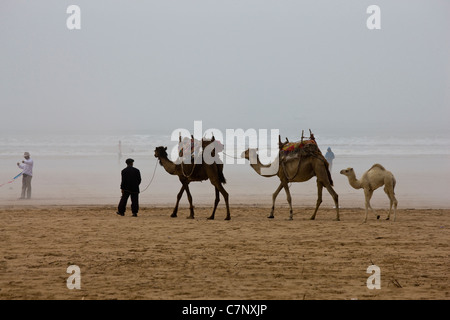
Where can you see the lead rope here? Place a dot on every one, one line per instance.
(151, 180)
(234, 157)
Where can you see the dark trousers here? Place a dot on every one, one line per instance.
(26, 186)
(134, 202)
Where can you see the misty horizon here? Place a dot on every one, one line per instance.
(156, 66)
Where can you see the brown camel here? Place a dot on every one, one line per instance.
(372, 179)
(195, 172)
(296, 170)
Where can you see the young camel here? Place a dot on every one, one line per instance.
(372, 179)
(296, 170)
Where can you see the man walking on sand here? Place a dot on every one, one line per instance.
(131, 179)
(27, 174)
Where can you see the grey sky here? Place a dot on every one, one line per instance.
(160, 65)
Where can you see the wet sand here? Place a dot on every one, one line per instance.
(249, 257)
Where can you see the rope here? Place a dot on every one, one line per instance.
(192, 171)
(284, 169)
(151, 180)
(234, 157)
(12, 180)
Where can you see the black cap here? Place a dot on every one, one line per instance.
(129, 161)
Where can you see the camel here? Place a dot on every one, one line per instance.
(372, 179)
(297, 170)
(195, 172)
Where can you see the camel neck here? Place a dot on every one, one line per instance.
(168, 165)
(355, 183)
(258, 165)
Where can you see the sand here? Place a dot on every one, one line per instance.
(71, 220)
(249, 257)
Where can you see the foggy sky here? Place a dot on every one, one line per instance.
(160, 65)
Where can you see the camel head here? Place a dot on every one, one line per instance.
(249, 154)
(348, 172)
(160, 152)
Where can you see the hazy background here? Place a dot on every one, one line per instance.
(138, 70)
(160, 65)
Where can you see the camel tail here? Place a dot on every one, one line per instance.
(329, 173)
(222, 177)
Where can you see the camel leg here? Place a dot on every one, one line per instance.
(289, 199)
(180, 194)
(216, 202)
(393, 201)
(335, 197)
(319, 199)
(225, 197)
(274, 197)
(395, 209)
(368, 195)
(191, 206)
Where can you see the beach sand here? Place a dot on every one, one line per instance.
(250, 257)
(71, 220)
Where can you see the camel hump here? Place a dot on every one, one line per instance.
(377, 165)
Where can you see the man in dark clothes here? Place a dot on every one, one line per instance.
(131, 179)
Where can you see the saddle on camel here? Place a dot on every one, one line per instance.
(299, 149)
(194, 148)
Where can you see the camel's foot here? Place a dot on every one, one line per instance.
(337, 219)
(173, 215)
(290, 218)
(312, 218)
(387, 218)
(270, 217)
(210, 218)
(190, 217)
(378, 217)
(228, 218)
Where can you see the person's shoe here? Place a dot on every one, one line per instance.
(120, 214)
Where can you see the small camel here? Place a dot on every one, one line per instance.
(372, 179)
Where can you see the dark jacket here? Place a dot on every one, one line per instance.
(131, 179)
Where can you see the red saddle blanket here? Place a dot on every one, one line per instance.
(298, 147)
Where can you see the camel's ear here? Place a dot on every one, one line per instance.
(279, 140)
(213, 138)
(179, 136)
(165, 148)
